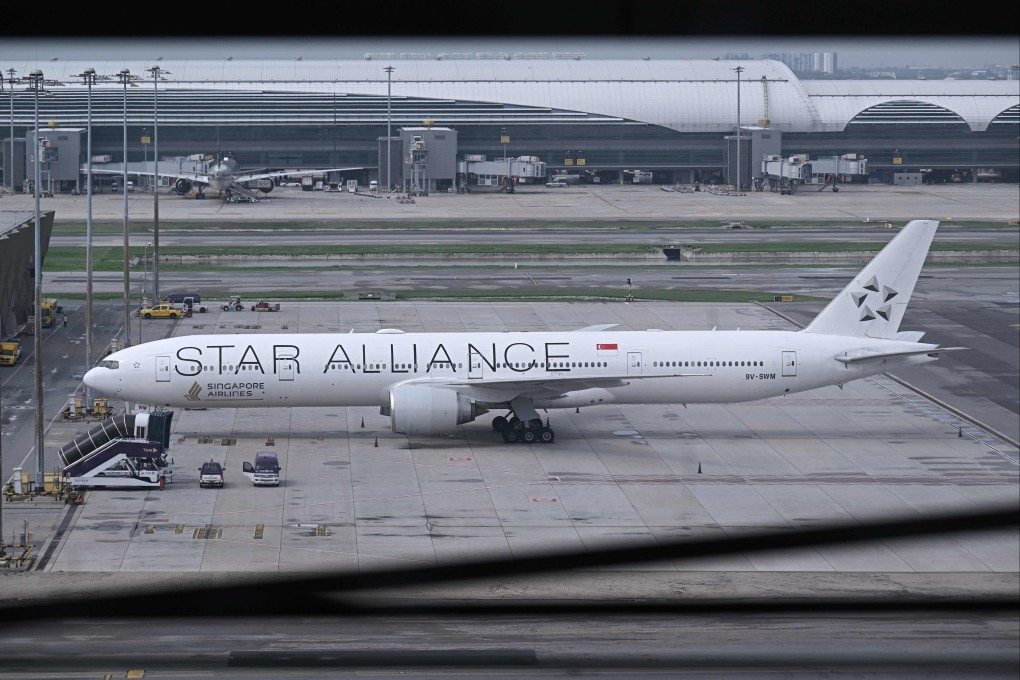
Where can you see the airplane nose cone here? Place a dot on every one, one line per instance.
(101, 380)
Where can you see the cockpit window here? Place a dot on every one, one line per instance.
(112, 365)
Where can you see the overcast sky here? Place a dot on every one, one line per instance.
(973, 51)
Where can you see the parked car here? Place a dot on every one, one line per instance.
(265, 471)
(210, 475)
(556, 183)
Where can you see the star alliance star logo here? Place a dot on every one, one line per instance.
(192, 394)
(871, 294)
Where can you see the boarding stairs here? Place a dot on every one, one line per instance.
(123, 452)
(240, 194)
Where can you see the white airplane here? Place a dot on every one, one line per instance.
(431, 383)
(224, 175)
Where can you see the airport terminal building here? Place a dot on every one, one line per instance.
(607, 121)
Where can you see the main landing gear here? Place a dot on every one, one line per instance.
(524, 425)
(527, 431)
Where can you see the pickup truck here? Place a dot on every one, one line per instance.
(163, 310)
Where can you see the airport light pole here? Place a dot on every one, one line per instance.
(11, 80)
(10, 181)
(35, 80)
(389, 154)
(89, 78)
(125, 77)
(157, 75)
(145, 154)
(739, 70)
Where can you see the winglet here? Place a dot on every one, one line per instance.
(597, 328)
(874, 302)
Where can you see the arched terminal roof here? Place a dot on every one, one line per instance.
(686, 96)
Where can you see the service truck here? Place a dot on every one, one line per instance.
(10, 351)
(50, 309)
(192, 300)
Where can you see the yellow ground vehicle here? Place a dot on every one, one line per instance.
(50, 309)
(163, 310)
(9, 352)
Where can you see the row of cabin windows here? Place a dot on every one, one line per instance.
(445, 364)
(680, 364)
(552, 364)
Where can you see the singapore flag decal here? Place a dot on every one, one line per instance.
(607, 349)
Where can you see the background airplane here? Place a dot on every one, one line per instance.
(224, 176)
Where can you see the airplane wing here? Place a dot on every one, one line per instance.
(247, 177)
(177, 174)
(597, 328)
(500, 390)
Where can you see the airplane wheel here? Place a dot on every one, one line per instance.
(529, 436)
(546, 435)
(499, 423)
(513, 421)
(510, 435)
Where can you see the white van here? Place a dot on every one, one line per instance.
(265, 471)
(373, 185)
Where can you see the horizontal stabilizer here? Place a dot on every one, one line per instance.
(862, 356)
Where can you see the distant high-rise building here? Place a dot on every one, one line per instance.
(803, 62)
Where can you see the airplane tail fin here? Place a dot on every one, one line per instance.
(872, 305)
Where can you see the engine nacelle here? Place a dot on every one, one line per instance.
(427, 410)
(182, 186)
(265, 185)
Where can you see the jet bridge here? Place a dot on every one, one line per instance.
(784, 175)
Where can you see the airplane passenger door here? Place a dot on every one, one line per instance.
(286, 370)
(475, 367)
(162, 369)
(634, 363)
(789, 364)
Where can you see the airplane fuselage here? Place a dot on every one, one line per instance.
(631, 367)
(221, 175)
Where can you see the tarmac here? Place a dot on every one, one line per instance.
(853, 203)
(355, 497)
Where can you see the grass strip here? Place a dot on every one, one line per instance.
(69, 227)
(573, 295)
(109, 258)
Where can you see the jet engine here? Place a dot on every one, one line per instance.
(265, 185)
(426, 410)
(182, 186)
